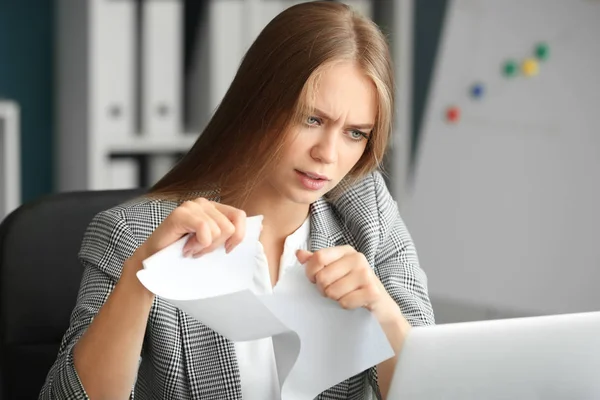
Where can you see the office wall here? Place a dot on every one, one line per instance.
(428, 17)
(504, 204)
(26, 75)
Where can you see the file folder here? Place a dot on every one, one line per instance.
(161, 67)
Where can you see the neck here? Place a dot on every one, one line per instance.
(281, 217)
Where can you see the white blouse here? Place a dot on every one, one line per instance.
(256, 359)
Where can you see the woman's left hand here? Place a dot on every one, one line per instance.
(343, 274)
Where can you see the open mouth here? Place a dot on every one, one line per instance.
(314, 176)
(312, 181)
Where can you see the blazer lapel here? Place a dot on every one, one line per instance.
(209, 359)
(325, 228)
(210, 362)
(326, 231)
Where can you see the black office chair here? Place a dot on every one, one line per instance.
(39, 279)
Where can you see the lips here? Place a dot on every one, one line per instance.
(311, 181)
(315, 176)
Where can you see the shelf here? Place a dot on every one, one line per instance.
(153, 145)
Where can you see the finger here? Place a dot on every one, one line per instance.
(209, 216)
(190, 246)
(201, 236)
(334, 271)
(303, 255)
(191, 218)
(233, 215)
(206, 229)
(238, 218)
(234, 227)
(181, 221)
(225, 228)
(343, 286)
(312, 269)
(323, 257)
(358, 298)
(187, 218)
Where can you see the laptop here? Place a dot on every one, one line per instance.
(545, 357)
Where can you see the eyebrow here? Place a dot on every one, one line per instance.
(359, 126)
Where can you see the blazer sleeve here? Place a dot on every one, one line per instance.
(397, 266)
(397, 263)
(107, 243)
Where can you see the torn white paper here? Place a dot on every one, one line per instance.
(317, 344)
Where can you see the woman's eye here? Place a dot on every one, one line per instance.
(313, 121)
(357, 135)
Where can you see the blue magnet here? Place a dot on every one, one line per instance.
(477, 90)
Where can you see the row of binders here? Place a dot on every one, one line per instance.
(137, 80)
(139, 50)
(136, 47)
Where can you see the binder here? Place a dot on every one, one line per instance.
(161, 67)
(111, 74)
(112, 67)
(10, 160)
(227, 45)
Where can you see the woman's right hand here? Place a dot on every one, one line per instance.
(213, 224)
(106, 357)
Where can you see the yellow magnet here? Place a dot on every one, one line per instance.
(530, 67)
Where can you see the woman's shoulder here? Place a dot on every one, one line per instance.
(366, 212)
(114, 234)
(141, 215)
(368, 201)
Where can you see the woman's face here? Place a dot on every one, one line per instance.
(332, 140)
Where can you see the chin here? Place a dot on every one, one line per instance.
(304, 198)
(299, 195)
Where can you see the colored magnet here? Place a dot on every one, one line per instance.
(542, 51)
(530, 67)
(453, 114)
(510, 68)
(477, 90)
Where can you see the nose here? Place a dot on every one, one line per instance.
(325, 150)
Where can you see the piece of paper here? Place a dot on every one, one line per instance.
(317, 344)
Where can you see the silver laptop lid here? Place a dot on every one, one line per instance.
(548, 357)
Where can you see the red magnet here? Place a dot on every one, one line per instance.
(453, 114)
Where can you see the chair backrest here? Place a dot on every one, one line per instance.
(40, 276)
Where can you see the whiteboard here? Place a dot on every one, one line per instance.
(505, 204)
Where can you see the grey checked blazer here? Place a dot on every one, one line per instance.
(183, 359)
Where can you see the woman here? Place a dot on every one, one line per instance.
(298, 139)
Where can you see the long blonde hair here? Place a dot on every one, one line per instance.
(273, 90)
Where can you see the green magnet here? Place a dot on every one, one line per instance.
(542, 51)
(510, 68)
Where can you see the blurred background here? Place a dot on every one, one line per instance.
(495, 157)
